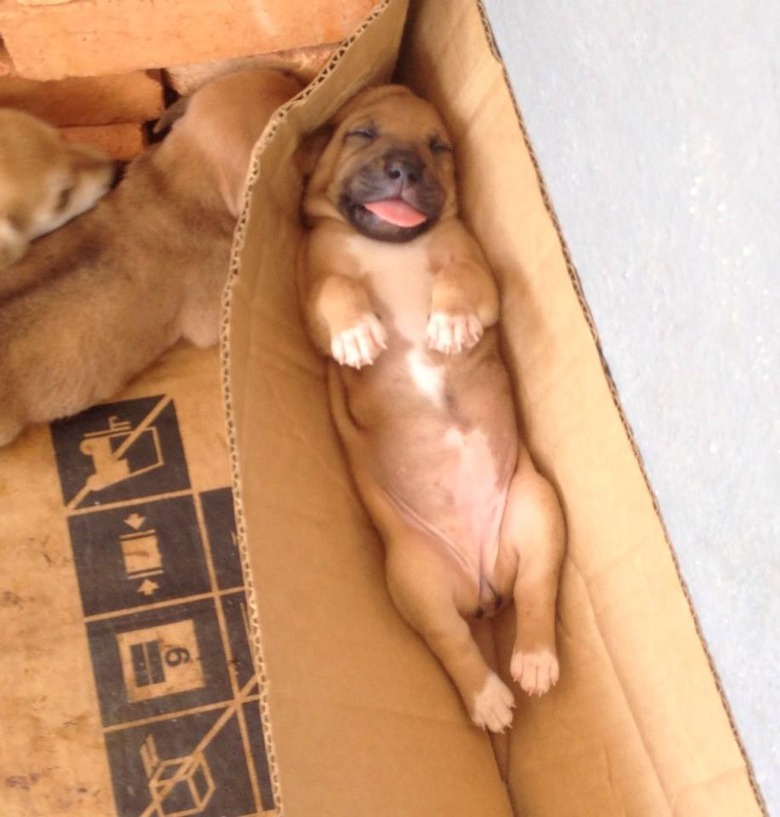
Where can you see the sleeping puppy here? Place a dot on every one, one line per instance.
(398, 295)
(101, 298)
(44, 181)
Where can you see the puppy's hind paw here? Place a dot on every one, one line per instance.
(360, 344)
(453, 333)
(535, 671)
(493, 705)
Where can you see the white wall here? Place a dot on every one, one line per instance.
(657, 129)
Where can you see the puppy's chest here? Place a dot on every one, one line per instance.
(399, 281)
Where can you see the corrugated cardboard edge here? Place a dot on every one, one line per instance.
(578, 289)
(254, 172)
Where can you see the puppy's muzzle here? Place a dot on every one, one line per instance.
(393, 197)
(404, 167)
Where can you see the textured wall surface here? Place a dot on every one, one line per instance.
(657, 128)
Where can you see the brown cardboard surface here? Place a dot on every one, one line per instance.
(359, 716)
(126, 680)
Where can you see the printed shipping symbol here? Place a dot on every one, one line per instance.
(179, 787)
(141, 554)
(160, 660)
(183, 786)
(109, 448)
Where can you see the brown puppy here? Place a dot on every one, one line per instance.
(101, 298)
(398, 294)
(44, 181)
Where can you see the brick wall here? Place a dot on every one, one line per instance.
(99, 68)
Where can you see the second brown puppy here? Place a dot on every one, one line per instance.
(44, 181)
(98, 300)
(398, 295)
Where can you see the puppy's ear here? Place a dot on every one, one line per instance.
(311, 147)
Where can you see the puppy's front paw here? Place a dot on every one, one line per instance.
(453, 333)
(493, 705)
(535, 671)
(359, 345)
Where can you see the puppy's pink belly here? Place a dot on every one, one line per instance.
(453, 484)
(438, 437)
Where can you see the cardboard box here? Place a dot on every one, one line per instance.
(360, 717)
(130, 601)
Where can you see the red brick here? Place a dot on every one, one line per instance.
(93, 37)
(122, 141)
(134, 97)
(42, 2)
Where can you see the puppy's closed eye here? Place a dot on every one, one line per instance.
(365, 133)
(63, 200)
(439, 146)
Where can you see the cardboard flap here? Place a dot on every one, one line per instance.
(360, 718)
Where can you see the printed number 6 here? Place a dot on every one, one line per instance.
(176, 656)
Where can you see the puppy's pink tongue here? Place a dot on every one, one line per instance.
(397, 212)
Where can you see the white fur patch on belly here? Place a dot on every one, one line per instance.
(428, 379)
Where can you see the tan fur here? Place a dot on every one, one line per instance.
(44, 181)
(422, 400)
(95, 302)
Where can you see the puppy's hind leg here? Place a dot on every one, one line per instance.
(533, 530)
(421, 585)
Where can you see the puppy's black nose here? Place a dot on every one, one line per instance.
(404, 166)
